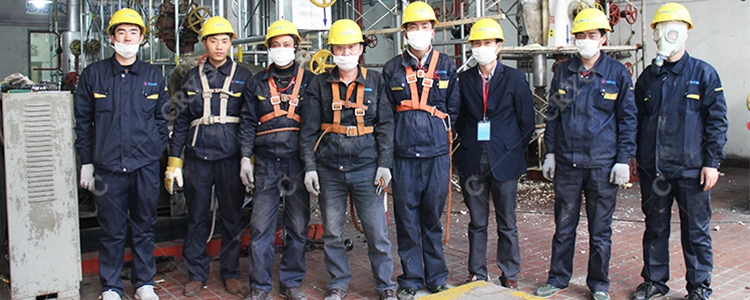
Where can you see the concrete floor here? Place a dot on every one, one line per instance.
(731, 235)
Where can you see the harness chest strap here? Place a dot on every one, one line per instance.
(277, 98)
(208, 118)
(359, 110)
(416, 102)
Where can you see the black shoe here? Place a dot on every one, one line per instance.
(438, 289)
(698, 294)
(646, 291)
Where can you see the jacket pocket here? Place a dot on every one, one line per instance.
(693, 99)
(149, 98)
(103, 101)
(607, 98)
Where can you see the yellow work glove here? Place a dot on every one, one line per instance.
(173, 174)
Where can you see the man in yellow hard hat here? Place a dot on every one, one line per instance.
(270, 132)
(121, 132)
(346, 141)
(421, 84)
(495, 125)
(205, 133)
(590, 140)
(678, 160)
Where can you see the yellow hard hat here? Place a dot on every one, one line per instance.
(590, 18)
(282, 27)
(486, 29)
(126, 16)
(217, 25)
(418, 11)
(344, 32)
(672, 12)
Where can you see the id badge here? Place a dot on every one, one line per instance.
(483, 130)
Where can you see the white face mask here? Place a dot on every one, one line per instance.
(484, 55)
(126, 50)
(281, 56)
(670, 38)
(419, 39)
(587, 48)
(346, 63)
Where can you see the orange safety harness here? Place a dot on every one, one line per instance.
(276, 100)
(359, 110)
(420, 103)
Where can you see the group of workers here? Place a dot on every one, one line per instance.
(345, 134)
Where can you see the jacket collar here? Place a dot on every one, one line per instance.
(408, 59)
(576, 65)
(117, 68)
(334, 76)
(679, 66)
(224, 69)
(271, 71)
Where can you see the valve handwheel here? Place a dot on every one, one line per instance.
(323, 3)
(614, 14)
(631, 14)
(630, 68)
(319, 62)
(152, 29)
(196, 18)
(71, 79)
(75, 47)
(372, 40)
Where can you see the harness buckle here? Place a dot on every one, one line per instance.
(433, 110)
(411, 78)
(420, 73)
(351, 131)
(275, 100)
(427, 82)
(294, 101)
(207, 94)
(337, 105)
(358, 112)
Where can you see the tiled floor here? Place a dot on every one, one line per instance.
(731, 241)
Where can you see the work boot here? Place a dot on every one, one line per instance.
(146, 292)
(407, 294)
(192, 288)
(110, 295)
(388, 294)
(472, 278)
(600, 295)
(547, 290)
(258, 294)
(233, 286)
(509, 283)
(292, 293)
(336, 294)
(698, 294)
(646, 291)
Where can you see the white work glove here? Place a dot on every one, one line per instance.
(246, 173)
(87, 177)
(383, 174)
(173, 174)
(620, 174)
(548, 168)
(709, 177)
(312, 183)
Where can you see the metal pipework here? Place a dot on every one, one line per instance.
(540, 70)
(69, 61)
